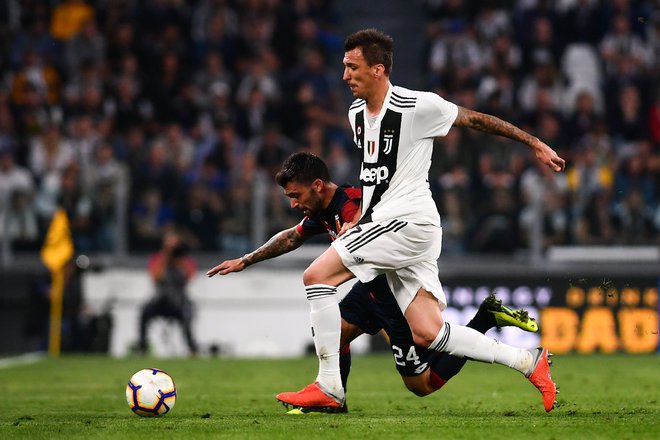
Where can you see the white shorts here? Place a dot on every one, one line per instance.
(406, 252)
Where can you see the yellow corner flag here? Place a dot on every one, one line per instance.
(55, 253)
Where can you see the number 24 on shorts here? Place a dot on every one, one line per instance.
(410, 357)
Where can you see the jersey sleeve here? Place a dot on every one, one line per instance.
(351, 205)
(434, 116)
(308, 227)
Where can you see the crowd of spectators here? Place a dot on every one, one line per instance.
(175, 108)
(582, 75)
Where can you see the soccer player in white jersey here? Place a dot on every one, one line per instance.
(399, 232)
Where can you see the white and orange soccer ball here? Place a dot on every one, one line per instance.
(151, 393)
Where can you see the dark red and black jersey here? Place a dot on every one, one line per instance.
(342, 208)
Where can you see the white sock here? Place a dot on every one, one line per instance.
(466, 342)
(326, 330)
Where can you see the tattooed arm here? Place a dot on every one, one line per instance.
(493, 125)
(281, 243)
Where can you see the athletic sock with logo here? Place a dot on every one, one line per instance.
(445, 366)
(326, 330)
(468, 343)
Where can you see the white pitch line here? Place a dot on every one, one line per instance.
(23, 359)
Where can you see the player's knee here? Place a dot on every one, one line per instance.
(312, 276)
(424, 318)
(423, 338)
(418, 386)
(419, 391)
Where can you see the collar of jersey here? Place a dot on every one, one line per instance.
(383, 109)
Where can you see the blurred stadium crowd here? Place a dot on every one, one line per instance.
(169, 111)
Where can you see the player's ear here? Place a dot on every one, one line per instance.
(378, 70)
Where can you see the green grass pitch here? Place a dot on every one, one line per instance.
(615, 397)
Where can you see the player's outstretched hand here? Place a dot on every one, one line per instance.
(226, 267)
(548, 156)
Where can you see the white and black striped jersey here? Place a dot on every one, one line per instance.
(396, 154)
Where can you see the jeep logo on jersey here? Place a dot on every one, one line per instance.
(373, 176)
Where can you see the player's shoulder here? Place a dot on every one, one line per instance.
(418, 96)
(421, 101)
(399, 92)
(351, 192)
(403, 99)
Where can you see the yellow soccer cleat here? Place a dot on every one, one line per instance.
(298, 411)
(504, 316)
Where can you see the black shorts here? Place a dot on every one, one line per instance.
(372, 307)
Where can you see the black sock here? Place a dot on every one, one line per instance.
(345, 365)
(482, 321)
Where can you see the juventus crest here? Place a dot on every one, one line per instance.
(388, 137)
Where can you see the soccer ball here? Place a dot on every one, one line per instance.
(151, 393)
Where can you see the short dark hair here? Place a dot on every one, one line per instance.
(304, 168)
(376, 47)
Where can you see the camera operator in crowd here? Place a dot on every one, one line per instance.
(171, 269)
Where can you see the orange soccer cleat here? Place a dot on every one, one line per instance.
(312, 399)
(539, 376)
